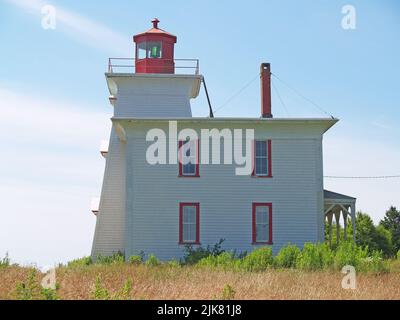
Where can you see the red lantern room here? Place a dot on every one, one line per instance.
(154, 51)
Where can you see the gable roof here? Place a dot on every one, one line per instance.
(336, 196)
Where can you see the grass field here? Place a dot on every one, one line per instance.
(193, 282)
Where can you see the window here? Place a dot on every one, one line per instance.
(189, 158)
(262, 223)
(154, 50)
(141, 48)
(189, 219)
(262, 158)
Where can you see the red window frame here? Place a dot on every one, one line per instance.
(254, 229)
(197, 206)
(197, 165)
(269, 157)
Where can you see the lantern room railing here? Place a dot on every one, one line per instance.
(127, 65)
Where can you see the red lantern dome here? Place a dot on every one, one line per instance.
(154, 51)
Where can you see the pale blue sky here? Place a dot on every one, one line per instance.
(55, 108)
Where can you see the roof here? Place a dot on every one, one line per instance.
(336, 196)
(155, 32)
(325, 122)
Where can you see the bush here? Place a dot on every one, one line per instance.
(287, 256)
(174, 263)
(30, 289)
(5, 262)
(99, 292)
(135, 260)
(257, 260)
(347, 253)
(225, 260)
(228, 293)
(117, 257)
(85, 261)
(398, 255)
(314, 257)
(152, 261)
(193, 256)
(374, 263)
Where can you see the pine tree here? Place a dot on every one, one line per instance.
(391, 222)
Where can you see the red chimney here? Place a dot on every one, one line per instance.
(265, 75)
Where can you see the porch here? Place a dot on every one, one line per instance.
(339, 206)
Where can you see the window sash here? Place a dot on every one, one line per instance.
(189, 157)
(262, 223)
(261, 158)
(189, 221)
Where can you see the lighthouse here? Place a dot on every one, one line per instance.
(151, 85)
(161, 207)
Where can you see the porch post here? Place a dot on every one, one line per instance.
(353, 220)
(337, 218)
(329, 216)
(344, 224)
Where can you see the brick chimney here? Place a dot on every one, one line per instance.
(265, 76)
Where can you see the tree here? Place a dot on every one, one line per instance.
(376, 238)
(391, 222)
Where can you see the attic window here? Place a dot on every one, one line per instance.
(262, 158)
(189, 158)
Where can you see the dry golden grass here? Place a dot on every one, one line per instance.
(166, 282)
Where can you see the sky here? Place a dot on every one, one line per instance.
(55, 109)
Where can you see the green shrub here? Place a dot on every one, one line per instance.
(152, 261)
(374, 263)
(85, 261)
(5, 262)
(174, 263)
(31, 289)
(135, 260)
(257, 260)
(315, 257)
(228, 293)
(28, 289)
(287, 256)
(398, 255)
(193, 256)
(225, 260)
(125, 292)
(99, 292)
(347, 253)
(117, 257)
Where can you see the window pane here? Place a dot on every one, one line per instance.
(261, 148)
(186, 232)
(142, 50)
(154, 50)
(189, 214)
(262, 215)
(189, 157)
(262, 232)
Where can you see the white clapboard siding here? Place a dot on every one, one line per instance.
(109, 233)
(154, 192)
(154, 96)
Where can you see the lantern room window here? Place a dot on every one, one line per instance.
(150, 50)
(141, 51)
(154, 50)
